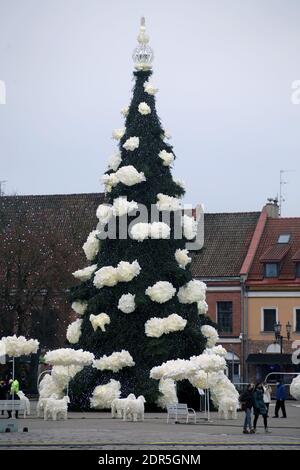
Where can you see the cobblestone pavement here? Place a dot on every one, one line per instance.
(98, 431)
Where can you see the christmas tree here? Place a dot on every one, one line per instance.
(137, 303)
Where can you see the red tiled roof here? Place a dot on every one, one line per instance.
(273, 229)
(296, 256)
(275, 253)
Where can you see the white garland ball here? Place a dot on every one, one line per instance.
(106, 276)
(104, 213)
(128, 271)
(161, 292)
(150, 89)
(140, 231)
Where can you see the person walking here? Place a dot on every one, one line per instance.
(14, 390)
(259, 406)
(280, 400)
(246, 400)
(267, 396)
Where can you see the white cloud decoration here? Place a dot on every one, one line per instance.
(124, 111)
(17, 346)
(193, 291)
(114, 161)
(189, 226)
(168, 203)
(100, 321)
(150, 88)
(167, 388)
(161, 292)
(156, 327)
(103, 395)
(115, 362)
(68, 357)
(202, 307)
(144, 108)
(122, 207)
(74, 331)
(91, 246)
(104, 213)
(131, 144)
(110, 276)
(155, 230)
(86, 273)
(79, 306)
(119, 133)
(211, 334)
(129, 176)
(166, 157)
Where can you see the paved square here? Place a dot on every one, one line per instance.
(97, 430)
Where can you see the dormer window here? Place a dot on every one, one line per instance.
(271, 269)
(284, 238)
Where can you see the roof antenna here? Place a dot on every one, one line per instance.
(281, 193)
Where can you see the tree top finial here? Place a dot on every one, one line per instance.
(143, 54)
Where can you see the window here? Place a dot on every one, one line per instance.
(284, 238)
(224, 317)
(297, 320)
(271, 269)
(269, 319)
(297, 269)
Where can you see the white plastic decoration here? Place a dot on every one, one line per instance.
(126, 303)
(132, 143)
(86, 273)
(182, 258)
(156, 327)
(127, 271)
(79, 306)
(144, 109)
(99, 321)
(166, 157)
(119, 133)
(161, 292)
(74, 331)
(106, 276)
(115, 362)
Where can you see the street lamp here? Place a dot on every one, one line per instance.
(278, 336)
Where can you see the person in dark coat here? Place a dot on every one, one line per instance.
(280, 400)
(259, 406)
(246, 400)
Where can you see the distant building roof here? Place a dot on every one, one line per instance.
(227, 237)
(270, 250)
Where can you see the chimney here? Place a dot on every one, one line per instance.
(272, 208)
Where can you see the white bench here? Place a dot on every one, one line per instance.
(12, 405)
(179, 410)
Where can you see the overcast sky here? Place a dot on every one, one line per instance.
(224, 69)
